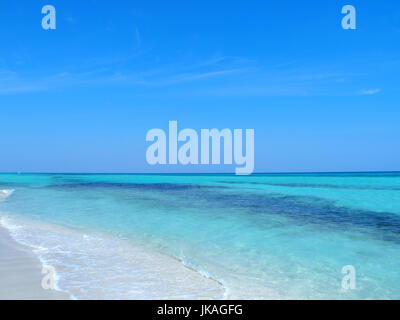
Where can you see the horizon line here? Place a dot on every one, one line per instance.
(199, 173)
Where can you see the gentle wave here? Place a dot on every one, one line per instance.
(135, 233)
(15, 230)
(4, 194)
(92, 266)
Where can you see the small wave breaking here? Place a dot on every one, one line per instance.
(4, 194)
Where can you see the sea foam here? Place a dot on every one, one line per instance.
(5, 194)
(95, 266)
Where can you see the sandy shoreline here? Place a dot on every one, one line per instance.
(20, 272)
(146, 275)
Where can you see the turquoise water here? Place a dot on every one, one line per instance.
(284, 236)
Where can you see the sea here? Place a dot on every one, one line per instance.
(211, 236)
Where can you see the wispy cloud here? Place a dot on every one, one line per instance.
(11, 83)
(70, 19)
(370, 92)
(219, 76)
(138, 38)
(188, 77)
(127, 71)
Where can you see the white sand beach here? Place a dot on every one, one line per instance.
(20, 273)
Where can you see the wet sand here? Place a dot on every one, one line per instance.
(20, 273)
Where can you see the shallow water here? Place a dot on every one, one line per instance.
(211, 236)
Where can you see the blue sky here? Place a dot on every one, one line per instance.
(81, 98)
